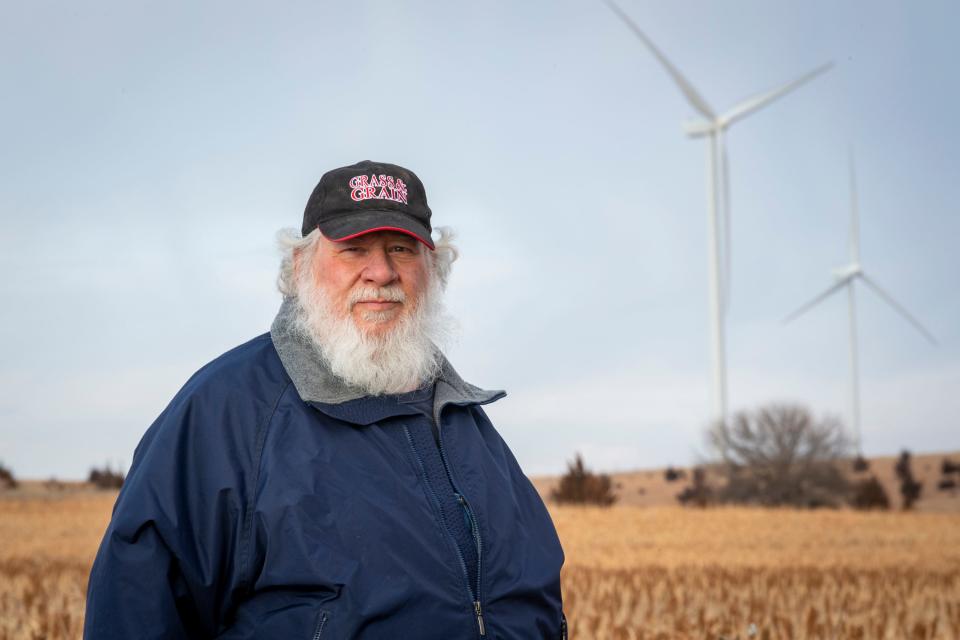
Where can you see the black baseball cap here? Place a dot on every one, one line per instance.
(365, 197)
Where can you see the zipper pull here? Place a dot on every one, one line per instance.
(476, 607)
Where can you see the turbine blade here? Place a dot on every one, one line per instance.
(689, 92)
(799, 312)
(750, 105)
(898, 307)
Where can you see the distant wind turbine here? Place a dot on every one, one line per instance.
(714, 126)
(845, 277)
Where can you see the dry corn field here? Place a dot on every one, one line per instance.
(665, 572)
(631, 572)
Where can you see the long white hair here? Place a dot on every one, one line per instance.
(400, 360)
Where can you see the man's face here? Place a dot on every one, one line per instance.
(377, 278)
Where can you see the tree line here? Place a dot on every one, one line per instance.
(776, 455)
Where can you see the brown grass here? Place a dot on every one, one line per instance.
(739, 537)
(49, 541)
(724, 573)
(631, 572)
(762, 602)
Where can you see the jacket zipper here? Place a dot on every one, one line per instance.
(473, 527)
(476, 607)
(463, 564)
(320, 625)
(475, 531)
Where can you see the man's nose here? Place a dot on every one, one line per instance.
(379, 269)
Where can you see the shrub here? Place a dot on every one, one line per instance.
(7, 481)
(106, 478)
(672, 475)
(870, 494)
(949, 469)
(698, 494)
(860, 464)
(581, 486)
(910, 489)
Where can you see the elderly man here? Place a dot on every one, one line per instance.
(334, 478)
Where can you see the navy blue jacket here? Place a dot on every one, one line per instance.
(270, 501)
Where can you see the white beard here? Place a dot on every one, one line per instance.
(402, 359)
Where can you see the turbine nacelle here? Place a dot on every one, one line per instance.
(848, 272)
(701, 128)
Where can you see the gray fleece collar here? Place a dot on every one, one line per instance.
(315, 383)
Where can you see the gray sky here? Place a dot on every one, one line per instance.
(151, 150)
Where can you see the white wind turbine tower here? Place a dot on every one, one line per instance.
(845, 277)
(714, 127)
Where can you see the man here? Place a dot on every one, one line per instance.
(334, 478)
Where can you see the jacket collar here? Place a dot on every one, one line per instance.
(318, 386)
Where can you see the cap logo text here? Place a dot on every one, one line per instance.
(380, 187)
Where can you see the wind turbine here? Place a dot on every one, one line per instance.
(714, 127)
(845, 277)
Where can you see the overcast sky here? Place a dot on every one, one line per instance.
(150, 151)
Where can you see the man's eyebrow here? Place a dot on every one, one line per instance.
(359, 240)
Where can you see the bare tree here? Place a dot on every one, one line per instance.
(780, 455)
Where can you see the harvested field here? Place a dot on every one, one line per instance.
(49, 541)
(748, 573)
(631, 572)
(762, 602)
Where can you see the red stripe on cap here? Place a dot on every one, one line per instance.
(398, 229)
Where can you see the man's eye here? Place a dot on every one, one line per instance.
(401, 249)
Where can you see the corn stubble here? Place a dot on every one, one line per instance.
(654, 573)
(764, 602)
(48, 544)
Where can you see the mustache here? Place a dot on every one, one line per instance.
(380, 294)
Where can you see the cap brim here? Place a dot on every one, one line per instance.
(360, 223)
